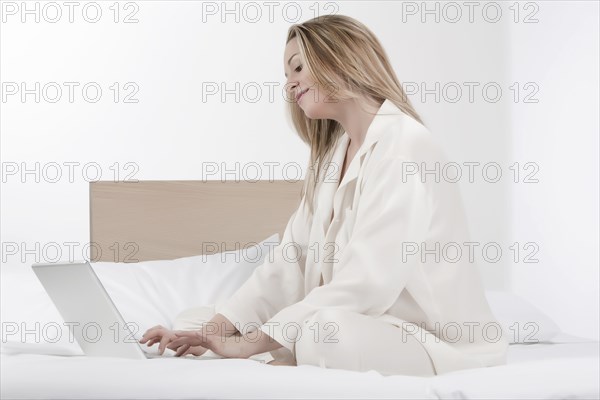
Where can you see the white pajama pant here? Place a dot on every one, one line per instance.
(340, 339)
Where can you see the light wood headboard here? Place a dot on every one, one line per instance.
(160, 220)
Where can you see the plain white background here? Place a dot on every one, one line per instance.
(200, 84)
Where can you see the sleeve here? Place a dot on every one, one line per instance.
(275, 284)
(369, 273)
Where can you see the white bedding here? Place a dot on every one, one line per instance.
(560, 366)
(534, 371)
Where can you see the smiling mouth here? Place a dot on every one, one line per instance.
(301, 94)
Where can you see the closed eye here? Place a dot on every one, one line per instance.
(298, 69)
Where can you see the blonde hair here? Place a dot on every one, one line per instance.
(342, 53)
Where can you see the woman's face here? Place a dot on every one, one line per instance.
(300, 86)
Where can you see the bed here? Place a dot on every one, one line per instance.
(161, 247)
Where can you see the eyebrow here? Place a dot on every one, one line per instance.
(290, 60)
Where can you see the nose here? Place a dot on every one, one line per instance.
(291, 89)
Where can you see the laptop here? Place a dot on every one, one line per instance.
(93, 319)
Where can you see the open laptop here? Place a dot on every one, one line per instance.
(92, 317)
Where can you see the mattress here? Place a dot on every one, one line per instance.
(567, 368)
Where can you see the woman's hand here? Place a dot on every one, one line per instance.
(233, 346)
(164, 336)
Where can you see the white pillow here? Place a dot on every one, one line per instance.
(146, 293)
(153, 292)
(521, 321)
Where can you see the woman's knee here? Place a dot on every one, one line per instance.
(342, 339)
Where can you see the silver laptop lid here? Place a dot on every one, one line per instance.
(87, 309)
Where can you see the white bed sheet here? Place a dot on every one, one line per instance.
(45, 370)
(560, 370)
(533, 371)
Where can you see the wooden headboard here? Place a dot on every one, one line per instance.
(160, 220)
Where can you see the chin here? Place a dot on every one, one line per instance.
(313, 111)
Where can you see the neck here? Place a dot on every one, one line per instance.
(355, 116)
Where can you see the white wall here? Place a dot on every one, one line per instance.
(177, 49)
(560, 134)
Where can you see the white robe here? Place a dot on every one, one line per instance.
(382, 210)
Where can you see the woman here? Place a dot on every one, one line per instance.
(363, 289)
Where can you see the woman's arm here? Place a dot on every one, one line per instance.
(260, 297)
(223, 341)
(220, 326)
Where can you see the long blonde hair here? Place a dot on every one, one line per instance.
(340, 51)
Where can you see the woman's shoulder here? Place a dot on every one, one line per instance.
(407, 139)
